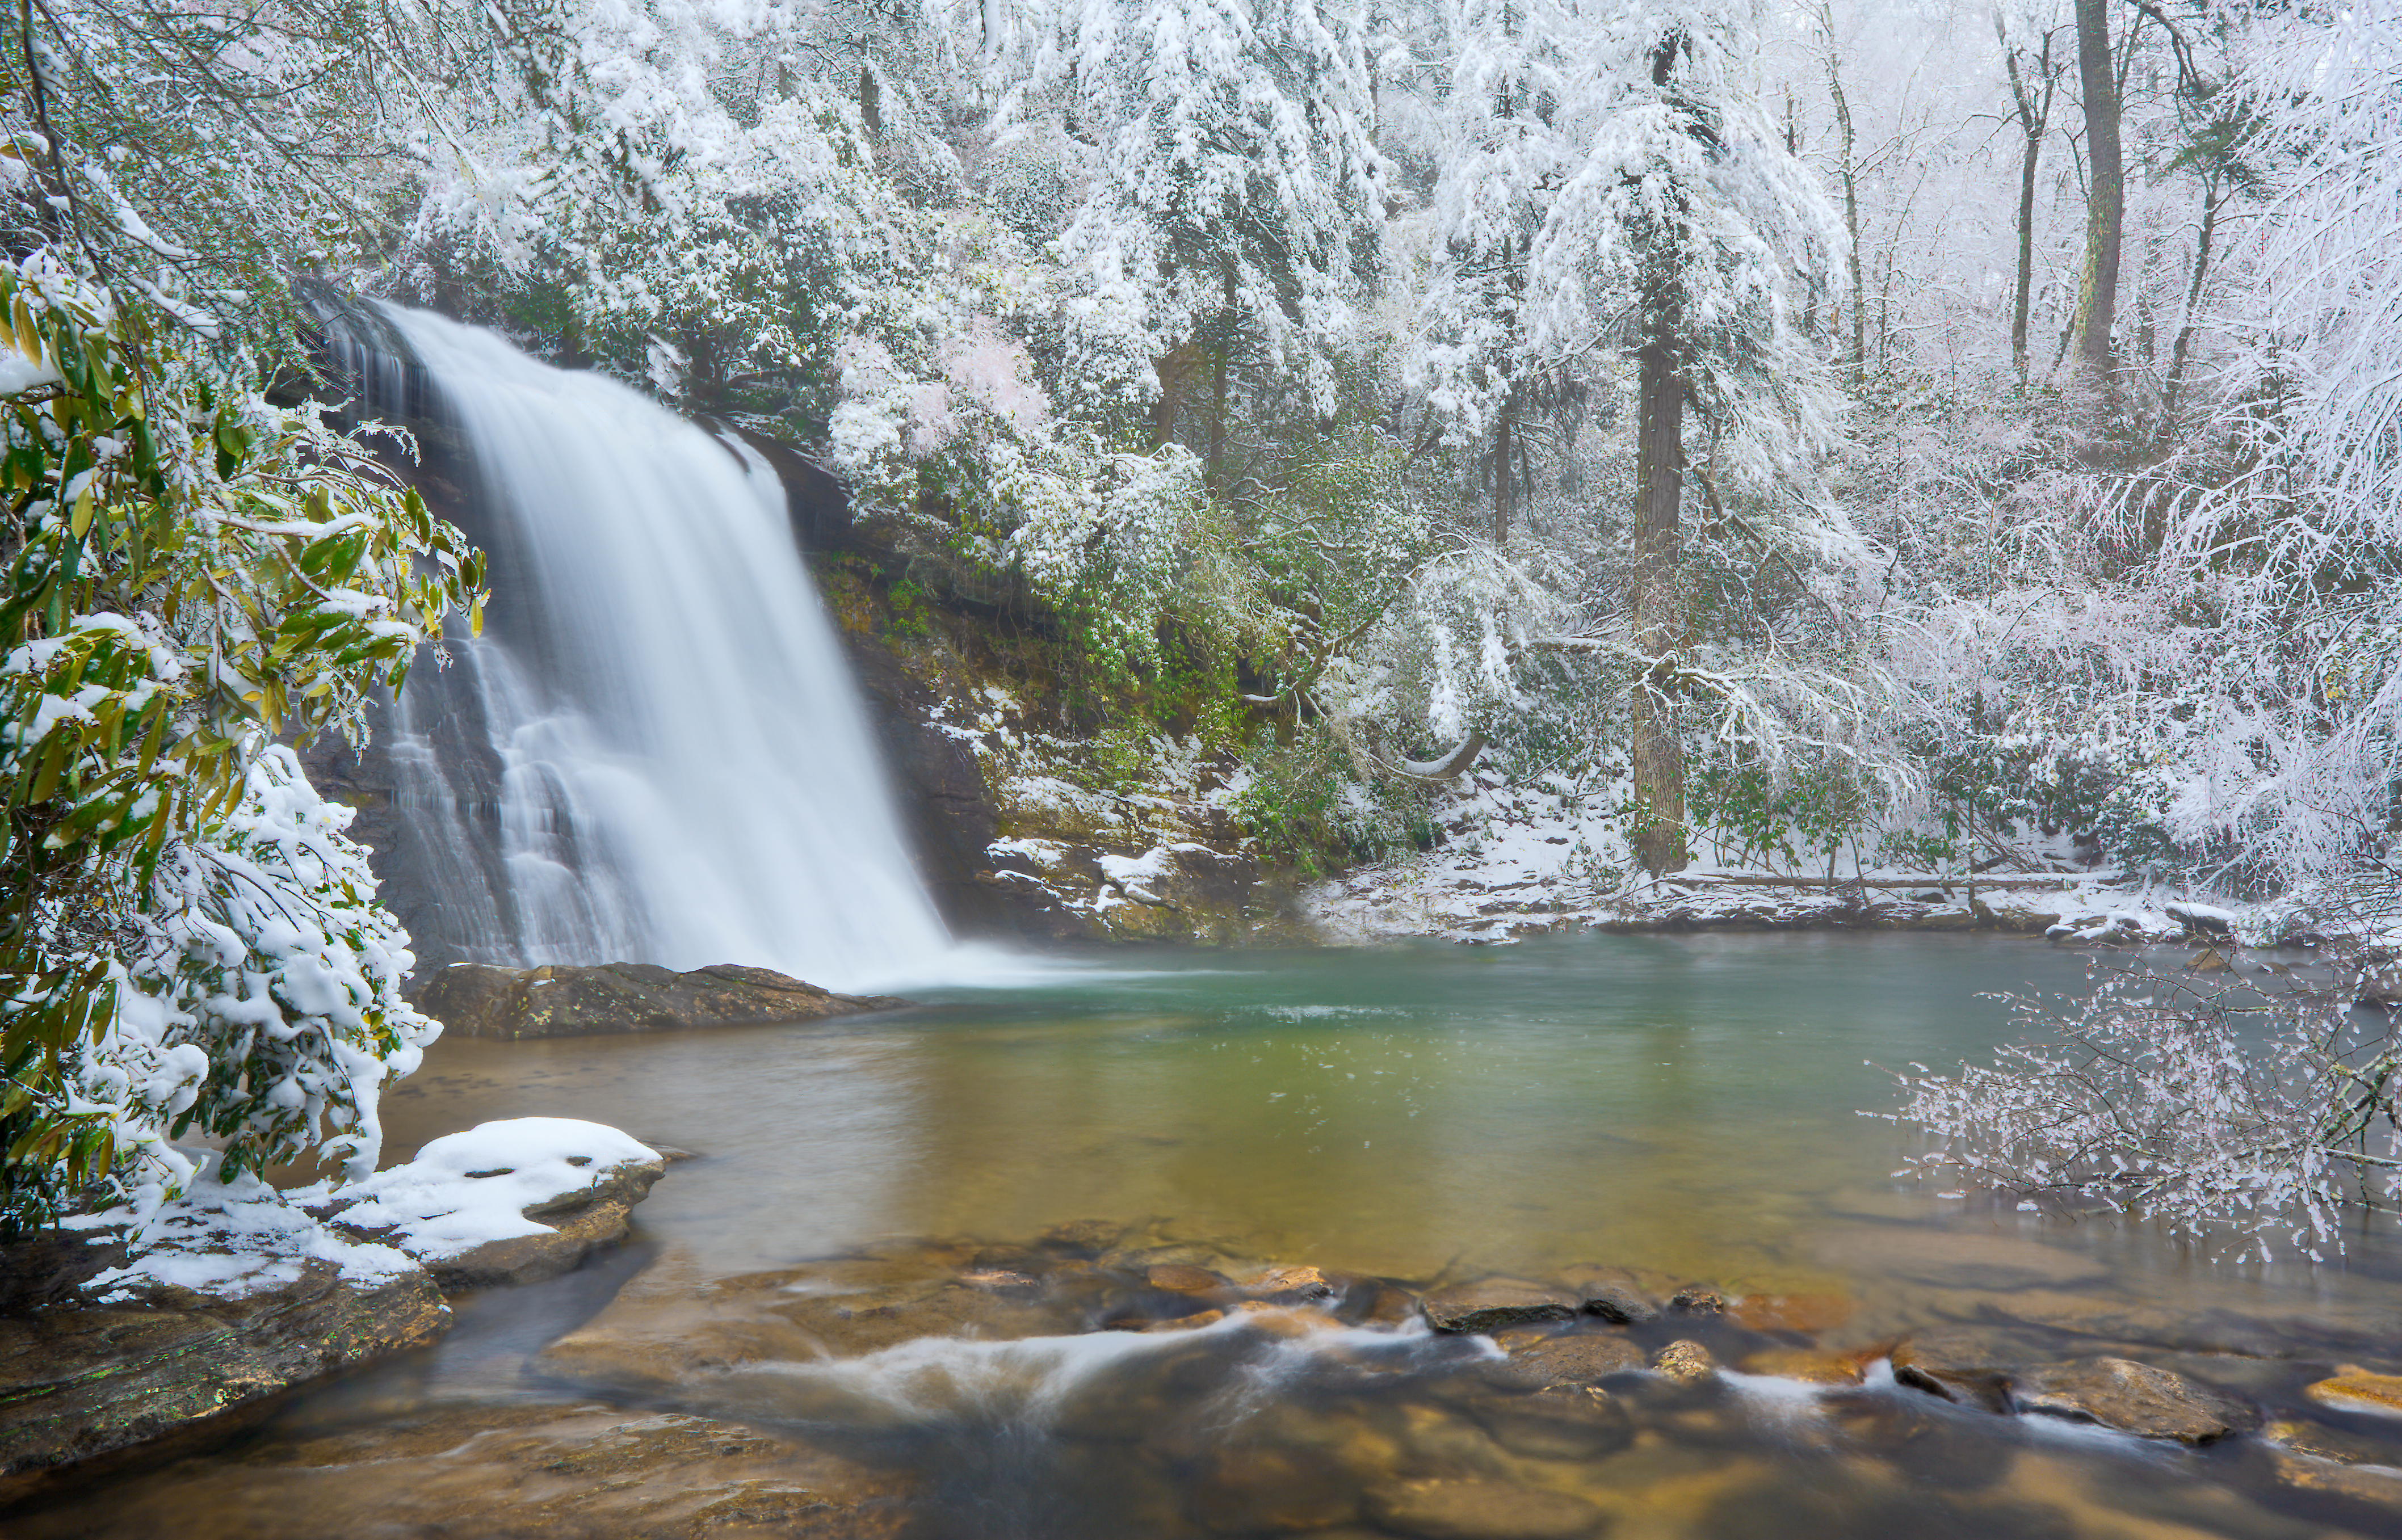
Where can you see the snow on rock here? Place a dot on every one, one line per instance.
(503, 1203)
(508, 1202)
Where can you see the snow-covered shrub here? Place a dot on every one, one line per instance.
(2222, 1109)
(191, 573)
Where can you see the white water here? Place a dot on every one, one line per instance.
(686, 775)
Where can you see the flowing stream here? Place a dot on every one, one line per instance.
(825, 1324)
(655, 753)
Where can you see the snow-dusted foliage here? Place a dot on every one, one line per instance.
(189, 941)
(2222, 1112)
(1237, 184)
(2283, 534)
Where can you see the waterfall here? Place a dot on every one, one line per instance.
(656, 752)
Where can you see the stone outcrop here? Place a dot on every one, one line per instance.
(570, 1188)
(245, 1292)
(82, 1381)
(1495, 1304)
(473, 1000)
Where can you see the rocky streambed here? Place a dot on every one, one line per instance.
(1104, 1380)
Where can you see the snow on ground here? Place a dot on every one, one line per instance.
(230, 1240)
(1525, 859)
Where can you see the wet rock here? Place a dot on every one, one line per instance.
(473, 1001)
(1614, 1293)
(1290, 1286)
(1582, 1360)
(2132, 1398)
(1958, 1367)
(1697, 1299)
(1177, 1278)
(2377, 1485)
(1494, 1302)
(1481, 1510)
(1188, 1323)
(1686, 1362)
(2359, 1391)
(1567, 1421)
(82, 1381)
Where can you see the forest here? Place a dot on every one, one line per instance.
(922, 622)
(1881, 434)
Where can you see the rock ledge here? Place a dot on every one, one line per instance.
(475, 1000)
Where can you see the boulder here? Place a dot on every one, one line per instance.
(1582, 1359)
(1494, 1302)
(473, 1000)
(112, 1362)
(512, 1202)
(1686, 1362)
(2132, 1398)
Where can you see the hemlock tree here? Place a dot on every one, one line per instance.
(1235, 202)
(1678, 239)
(1472, 359)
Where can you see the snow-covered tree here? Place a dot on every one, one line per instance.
(1235, 199)
(1473, 357)
(187, 938)
(1678, 241)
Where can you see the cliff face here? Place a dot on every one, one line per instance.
(1032, 824)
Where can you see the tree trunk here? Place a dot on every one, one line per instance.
(1501, 431)
(1656, 747)
(2212, 197)
(1851, 201)
(2097, 297)
(2033, 99)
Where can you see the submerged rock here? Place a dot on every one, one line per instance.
(1582, 1359)
(1481, 1510)
(2359, 1391)
(508, 1472)
(473, 1000)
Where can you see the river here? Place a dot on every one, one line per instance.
(1688, 1108)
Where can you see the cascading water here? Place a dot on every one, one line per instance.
(655, 753)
